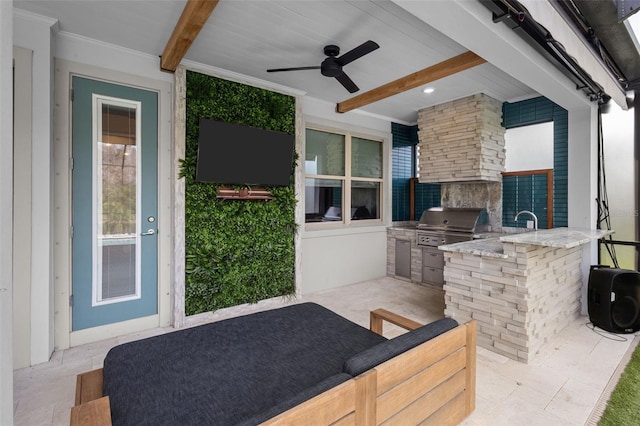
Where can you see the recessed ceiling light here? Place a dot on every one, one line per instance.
(428, 90)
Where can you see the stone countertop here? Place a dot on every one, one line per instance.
(491, 247)
(403, 225)
(556, 237)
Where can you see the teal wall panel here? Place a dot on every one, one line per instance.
(524, 192)
(427, 195)
(405, 140)
(403, 162)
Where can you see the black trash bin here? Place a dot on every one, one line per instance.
(614, 299)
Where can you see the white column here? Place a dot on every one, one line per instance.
(583, 183)
(35, 32)
(583, 167)
(6, 212)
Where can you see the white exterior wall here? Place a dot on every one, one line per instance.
(36, 34)
(619, 159)
(22, 235)
(334, 257)
(529, 147)
(582, 187)
(583, 151)
(6, 212)
(109, 57)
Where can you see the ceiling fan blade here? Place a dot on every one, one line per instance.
(293, 69)
(355, 53)
(347, 82)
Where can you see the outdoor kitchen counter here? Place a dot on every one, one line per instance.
(523, 289)
(556, 237)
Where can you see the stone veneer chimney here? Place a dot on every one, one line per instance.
(462, 141)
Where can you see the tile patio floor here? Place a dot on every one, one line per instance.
(560, 386)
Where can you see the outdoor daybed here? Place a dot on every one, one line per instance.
(301, 364)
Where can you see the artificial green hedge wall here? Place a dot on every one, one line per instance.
(236, 251)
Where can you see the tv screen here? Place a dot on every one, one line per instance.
(242, 155)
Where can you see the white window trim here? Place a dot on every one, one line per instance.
(98, 101)
(385, 182)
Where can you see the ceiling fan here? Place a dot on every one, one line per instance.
(332, 65)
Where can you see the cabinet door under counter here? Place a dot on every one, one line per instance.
(403, 258)
(432, 266)
(409, 260)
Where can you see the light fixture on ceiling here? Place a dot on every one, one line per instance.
(428, 90)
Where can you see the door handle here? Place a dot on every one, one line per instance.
(149, 232)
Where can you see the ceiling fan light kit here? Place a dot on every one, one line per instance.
(332, 65)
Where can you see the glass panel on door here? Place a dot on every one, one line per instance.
(117, 274)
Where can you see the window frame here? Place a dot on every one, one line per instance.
(347, 179)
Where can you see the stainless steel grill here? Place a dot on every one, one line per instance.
(439, 226)
(442, 225)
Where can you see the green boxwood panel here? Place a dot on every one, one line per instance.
(541, 110)
(236, 251)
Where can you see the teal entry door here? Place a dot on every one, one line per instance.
(115, 197)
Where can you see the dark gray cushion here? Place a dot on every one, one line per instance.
(301, 397)
(384, 351)
(229, 371)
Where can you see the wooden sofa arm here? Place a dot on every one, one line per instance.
(92, 413)
(91, 408)
(376, 317)
(89, 386)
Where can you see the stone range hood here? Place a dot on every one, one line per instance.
(462, 141)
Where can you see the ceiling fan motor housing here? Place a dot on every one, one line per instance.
(331, 50)
(330, 67)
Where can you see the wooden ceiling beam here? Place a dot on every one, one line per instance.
(193, 18)
(435, 72)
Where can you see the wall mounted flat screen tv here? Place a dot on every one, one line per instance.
(243, 155)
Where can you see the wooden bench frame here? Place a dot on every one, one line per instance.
(433, 384)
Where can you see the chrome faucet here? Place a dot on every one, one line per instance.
(535, 218)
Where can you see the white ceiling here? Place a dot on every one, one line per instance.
(248, 37)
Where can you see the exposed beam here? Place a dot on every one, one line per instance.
(435, 72)
(193, 18)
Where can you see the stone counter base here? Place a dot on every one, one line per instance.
(520, 302)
